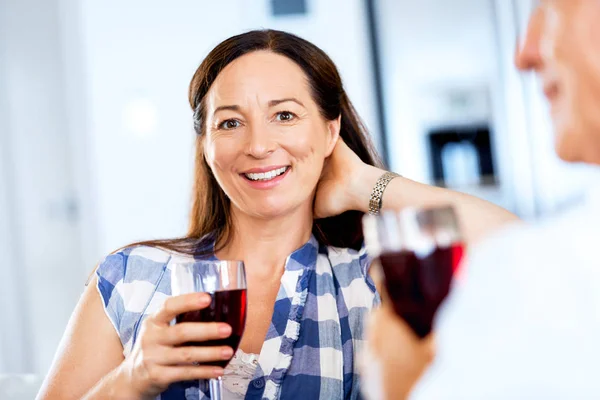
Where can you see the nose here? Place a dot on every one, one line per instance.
(528, 54)
(259, 144)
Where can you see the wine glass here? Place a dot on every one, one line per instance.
(417, 253)
(225, 281)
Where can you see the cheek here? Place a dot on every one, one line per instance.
(574, 128)
(582, 120)
(578, 50)
(300, 148)
(220, 156)
(306, 143)
(589, 73)
(586, 105)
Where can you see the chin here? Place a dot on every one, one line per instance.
(271, 213)
(563, 150)
(570, 146)
(270, 210)
(577, 137)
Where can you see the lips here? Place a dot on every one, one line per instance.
(551, 91)
(265, 175)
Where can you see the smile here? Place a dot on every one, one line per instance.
(266, 176)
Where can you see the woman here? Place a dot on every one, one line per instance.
(278, 146)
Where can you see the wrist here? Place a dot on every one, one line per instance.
(115, 385)
(362, 186)
(124, 387)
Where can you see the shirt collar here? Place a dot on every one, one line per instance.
(304, 257)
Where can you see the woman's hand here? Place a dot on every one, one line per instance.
(336, 189)
(399, 355)
(347, 183)
(160, 357)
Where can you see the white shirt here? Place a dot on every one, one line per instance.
(525, 322)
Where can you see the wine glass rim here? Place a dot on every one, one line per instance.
(214, 275)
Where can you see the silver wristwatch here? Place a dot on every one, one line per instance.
(375, 202)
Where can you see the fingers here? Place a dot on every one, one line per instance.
(186, 355)
(176, 305)
(429, 348)
(194, 332)
(164, 376)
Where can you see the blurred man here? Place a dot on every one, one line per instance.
(526, 322)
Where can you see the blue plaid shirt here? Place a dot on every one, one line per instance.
(315, 332)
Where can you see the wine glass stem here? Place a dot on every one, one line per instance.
(216, 389)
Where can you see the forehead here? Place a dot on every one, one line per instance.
(258, 75)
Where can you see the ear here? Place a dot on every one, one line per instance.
(333, 134)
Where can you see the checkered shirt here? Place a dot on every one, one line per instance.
(315, 333)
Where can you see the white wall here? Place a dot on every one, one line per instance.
(517, 148)
(76, 128)
(432, 52)
(147, 50)
(429, 49)
(45, 266)
(13, 353)
(144, 50)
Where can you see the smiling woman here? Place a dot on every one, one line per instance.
(272, 91)
(284, 172)
(273, 137)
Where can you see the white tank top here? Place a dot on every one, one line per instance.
(238, 375)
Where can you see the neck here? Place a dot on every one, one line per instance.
(264, 244)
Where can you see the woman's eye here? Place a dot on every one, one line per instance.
(284, 116)
(229, 124)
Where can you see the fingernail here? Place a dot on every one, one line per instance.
(224, 330)
(226, 353)
(218, 371)
(204, 299)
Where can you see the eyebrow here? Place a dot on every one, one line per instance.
(272, 103)
(223, 108)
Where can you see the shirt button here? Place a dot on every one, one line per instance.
(258, 383)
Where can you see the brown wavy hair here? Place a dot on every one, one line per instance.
(210, 219)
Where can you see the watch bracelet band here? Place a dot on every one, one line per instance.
(375, 201)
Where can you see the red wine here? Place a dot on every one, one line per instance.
(227, 306)
(458, 251)
(417, 284)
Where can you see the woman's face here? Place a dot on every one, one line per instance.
(266, 140)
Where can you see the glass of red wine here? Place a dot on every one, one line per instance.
(418, 251)
(225, 281)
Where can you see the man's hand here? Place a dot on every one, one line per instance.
(396, 352)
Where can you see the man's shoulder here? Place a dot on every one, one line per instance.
(563, 236)
(538, 260)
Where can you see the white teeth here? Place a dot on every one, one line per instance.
(266, 176)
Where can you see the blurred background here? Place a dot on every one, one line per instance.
(96, 133)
